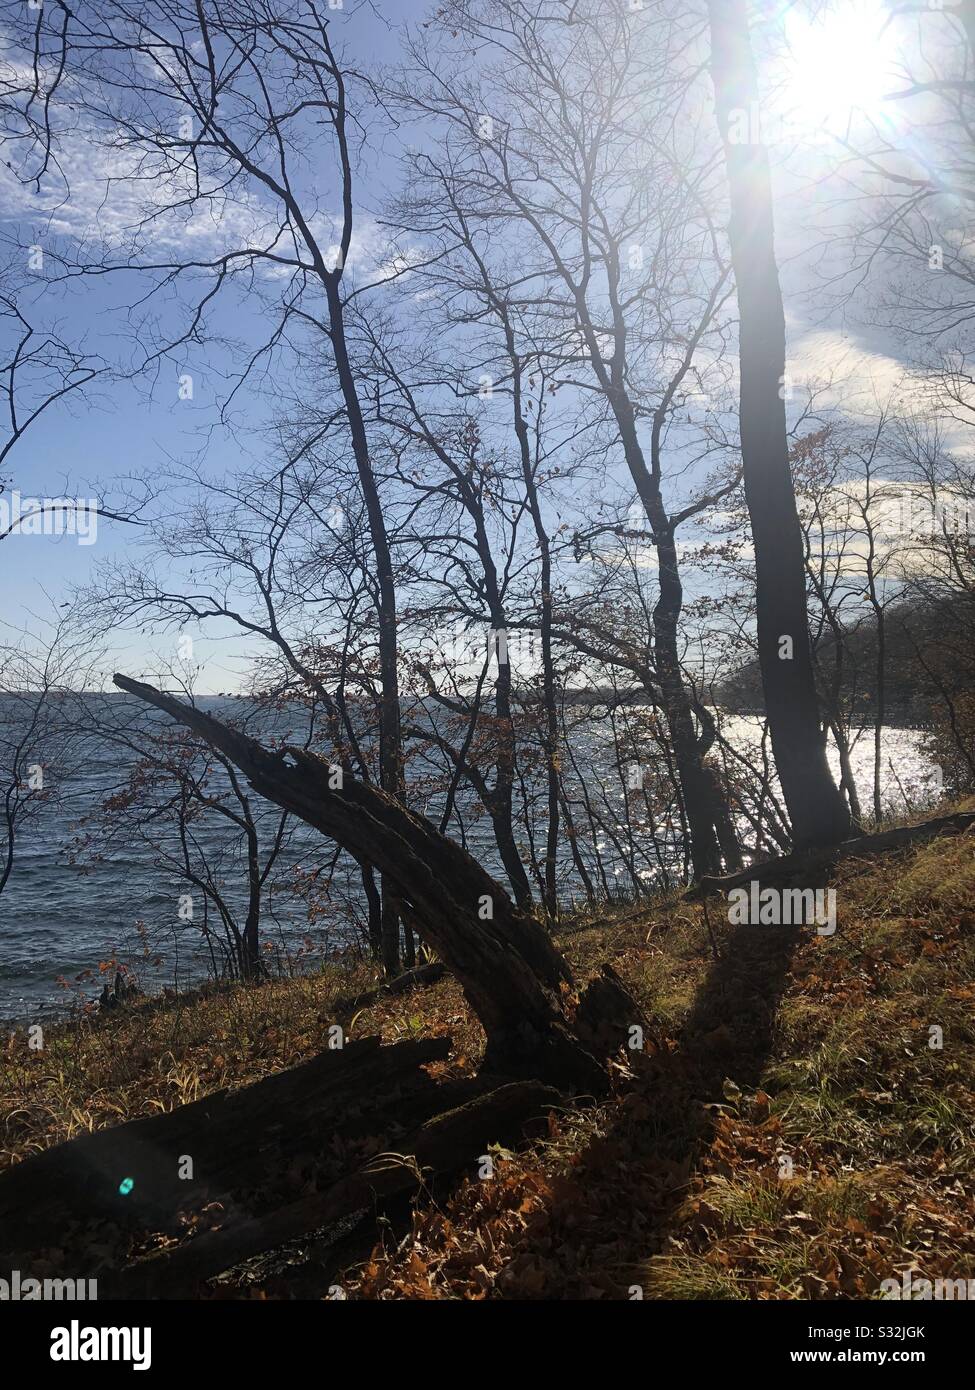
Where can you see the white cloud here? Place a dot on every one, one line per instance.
(849, 377)
(121, 200)
(909, 527)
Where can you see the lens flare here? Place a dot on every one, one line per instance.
(839, 65)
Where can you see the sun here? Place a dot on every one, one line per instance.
(839, 65)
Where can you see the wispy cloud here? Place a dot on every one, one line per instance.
(117, 201)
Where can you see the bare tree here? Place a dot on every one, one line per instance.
(603, 277)
(818, 812)
(189, 808)
(38, 747)
(209, 104)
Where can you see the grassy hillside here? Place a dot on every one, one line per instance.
(787, 1132)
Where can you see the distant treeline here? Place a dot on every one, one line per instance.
(923, 643)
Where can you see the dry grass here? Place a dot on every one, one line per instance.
(791, 1055)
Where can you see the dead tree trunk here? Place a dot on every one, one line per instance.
(511, 973)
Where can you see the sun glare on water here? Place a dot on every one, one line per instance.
(839, 65)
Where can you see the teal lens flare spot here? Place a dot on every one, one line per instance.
(126, 1186)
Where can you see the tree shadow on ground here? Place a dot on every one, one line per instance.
(632, 1176)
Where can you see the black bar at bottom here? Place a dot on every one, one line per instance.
(261, 1338)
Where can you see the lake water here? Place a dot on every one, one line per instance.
(58, 920)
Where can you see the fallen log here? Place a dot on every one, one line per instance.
(143, 1174)
(444, 1144)
(822, 858)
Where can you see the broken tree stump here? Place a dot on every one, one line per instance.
(606, 1013)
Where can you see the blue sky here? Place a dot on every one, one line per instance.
(88, 446)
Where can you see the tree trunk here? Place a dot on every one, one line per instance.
(374, 907)
(551, 727)
(250, 956)
(847, 780)
(699, 790)
(510, 972)
(501, 807)
(817, 809)
(390, 758)
(880, 713)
